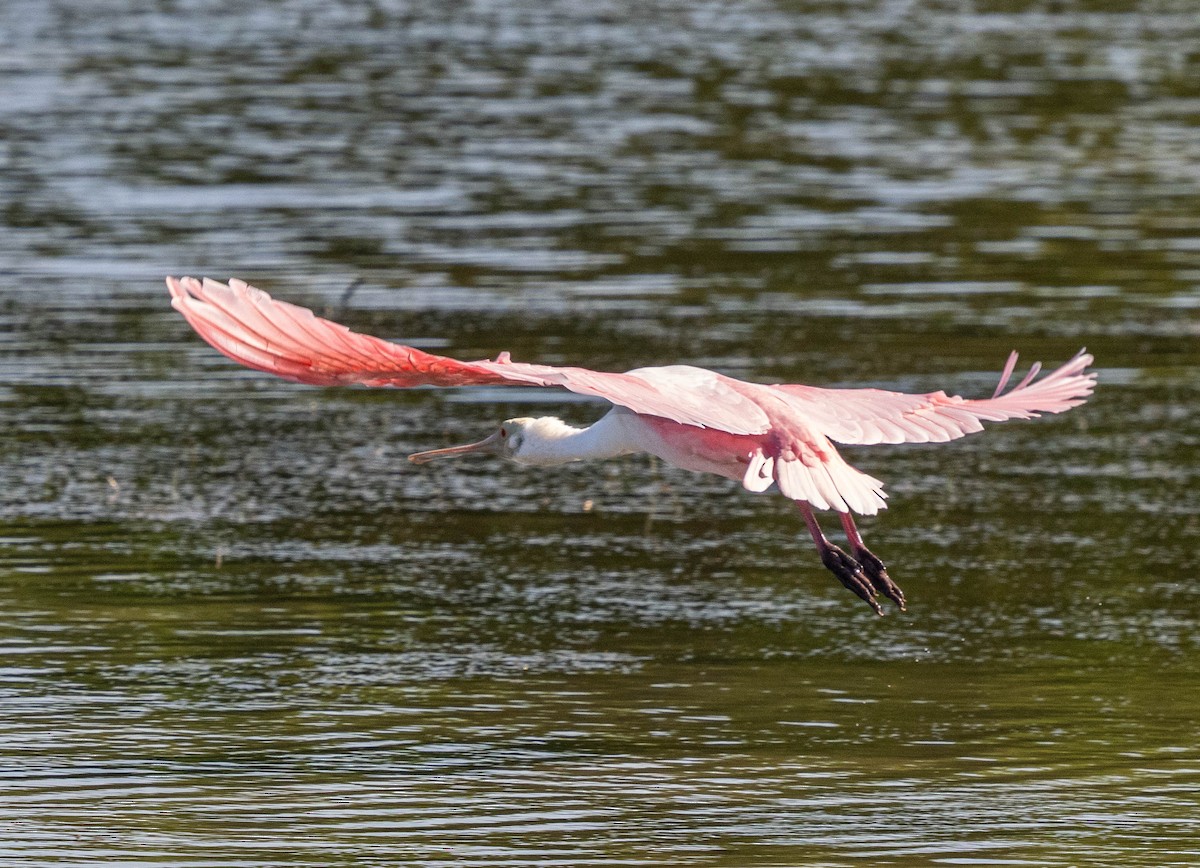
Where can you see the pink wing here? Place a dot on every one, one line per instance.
(292, 342)
(877, 416)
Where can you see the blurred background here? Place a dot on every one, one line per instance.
(237, 628)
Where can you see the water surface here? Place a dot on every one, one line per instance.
(237, 628)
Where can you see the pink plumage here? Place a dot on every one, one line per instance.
(760, 435)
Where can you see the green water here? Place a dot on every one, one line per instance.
(238, 628)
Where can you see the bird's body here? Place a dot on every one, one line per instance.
(620, 431)
(760, 435)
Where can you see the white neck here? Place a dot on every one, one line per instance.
(550, 441)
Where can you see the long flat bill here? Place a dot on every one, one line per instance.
(488, 444)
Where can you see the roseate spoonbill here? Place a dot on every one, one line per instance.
(759, 435)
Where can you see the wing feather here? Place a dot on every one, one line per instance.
(250, 327)
(867, 416)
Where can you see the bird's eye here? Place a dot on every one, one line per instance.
(503, 432)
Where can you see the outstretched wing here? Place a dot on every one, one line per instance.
(292, 342)
(877, 416)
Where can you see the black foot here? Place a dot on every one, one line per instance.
(850, 573)
(875, 571)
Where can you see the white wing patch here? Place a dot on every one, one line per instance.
(709, 398)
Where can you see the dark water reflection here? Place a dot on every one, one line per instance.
(238, 629)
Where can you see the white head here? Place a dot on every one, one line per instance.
(516, 439)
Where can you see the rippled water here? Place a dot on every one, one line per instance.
(237, 628)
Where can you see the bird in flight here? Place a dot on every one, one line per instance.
(758, 435)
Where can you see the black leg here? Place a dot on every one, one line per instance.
(848, 571)
(871, 565)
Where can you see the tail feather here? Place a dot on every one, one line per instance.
(828, 483)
